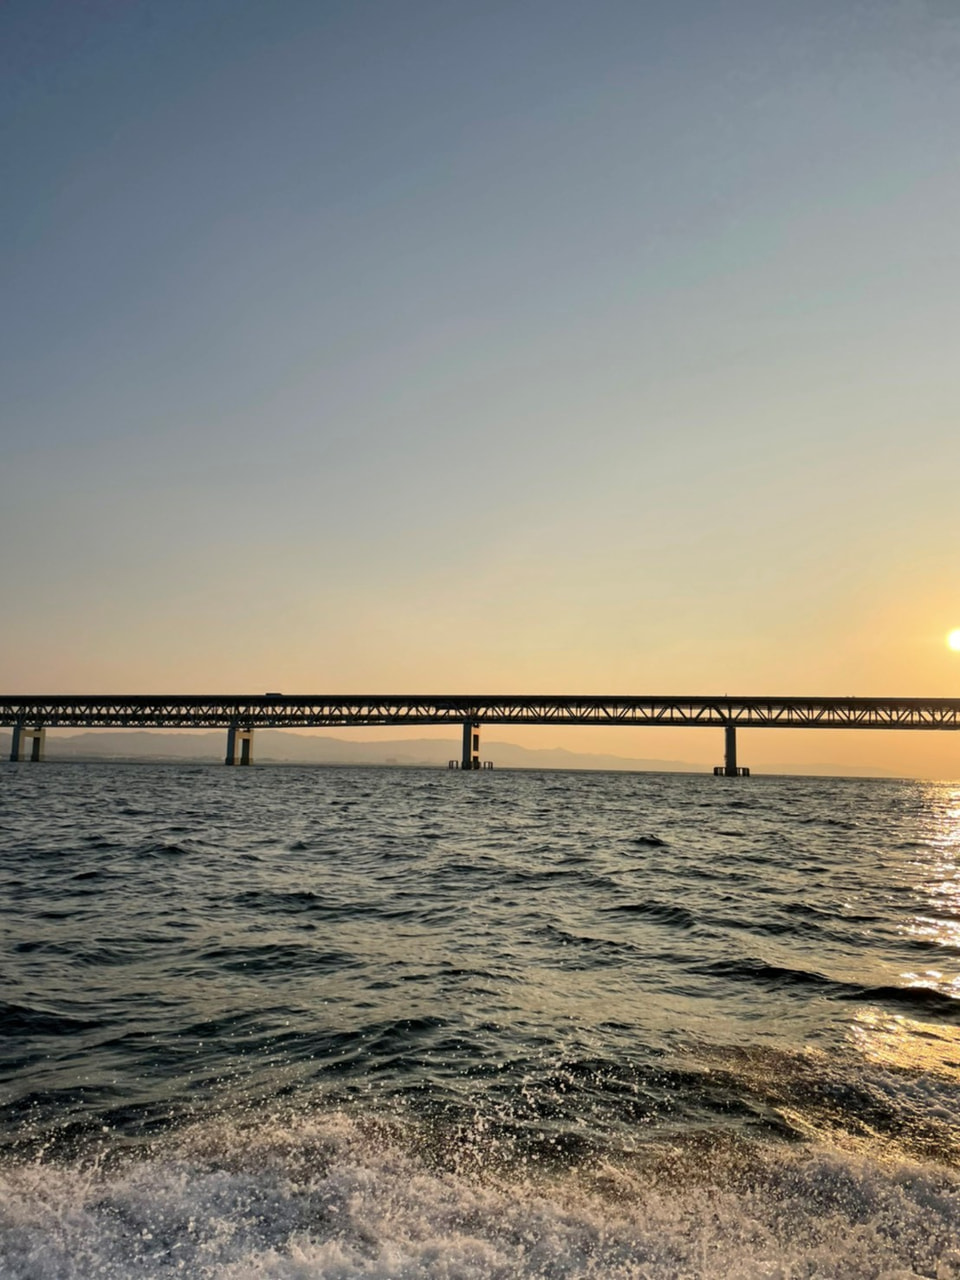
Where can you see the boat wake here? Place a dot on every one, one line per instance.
(336, 1195)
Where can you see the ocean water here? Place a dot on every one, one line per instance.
(301, 1022)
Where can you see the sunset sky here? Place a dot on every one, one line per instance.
(523, 347)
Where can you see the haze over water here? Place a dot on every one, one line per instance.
(294, 1022)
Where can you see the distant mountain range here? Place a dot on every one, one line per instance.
(279, 747)
(275, 746)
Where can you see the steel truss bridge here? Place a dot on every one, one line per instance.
(240, 714)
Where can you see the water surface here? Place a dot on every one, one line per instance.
(304, 1022)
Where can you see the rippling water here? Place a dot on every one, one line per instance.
(305, 1023)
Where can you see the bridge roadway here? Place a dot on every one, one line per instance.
(240, 714)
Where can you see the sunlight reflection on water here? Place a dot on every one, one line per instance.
(893, 1040)
(939, 885)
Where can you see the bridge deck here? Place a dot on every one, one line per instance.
(201, 711)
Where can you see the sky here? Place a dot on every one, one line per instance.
(518, 347)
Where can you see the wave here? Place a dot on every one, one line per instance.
(754, 970)
(296, 901)
(649, 842)
(653, 910)
(916, 996)
(22, 1020)
(279, 957)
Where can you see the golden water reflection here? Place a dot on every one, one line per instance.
(938, 884)
(892, 1040)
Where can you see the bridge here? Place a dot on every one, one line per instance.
(30, 717)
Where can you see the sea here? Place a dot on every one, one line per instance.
(303, 1022)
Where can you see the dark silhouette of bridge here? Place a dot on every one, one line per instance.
(30, 716)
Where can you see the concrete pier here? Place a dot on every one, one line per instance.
(729, 768)
(239, 736)
(470, 757)
(22, 734)
(730, 750)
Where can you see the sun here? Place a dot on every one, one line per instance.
(953, 639)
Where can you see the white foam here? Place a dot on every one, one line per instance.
(333, 1197)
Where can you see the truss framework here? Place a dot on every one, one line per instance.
(194, 711)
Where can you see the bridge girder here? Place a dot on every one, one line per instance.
(194, 711)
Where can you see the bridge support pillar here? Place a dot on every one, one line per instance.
(470, 758)
(242, 738)
(730, 750)
(729, 767)
(22, 734)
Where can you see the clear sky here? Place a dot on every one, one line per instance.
(520, 347)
